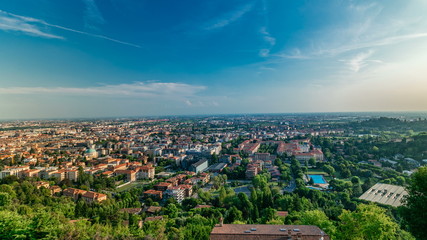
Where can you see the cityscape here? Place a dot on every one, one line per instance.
(236, 172)
(213, 120)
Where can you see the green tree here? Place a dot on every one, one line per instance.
(367, 222)
(415, 205)
(13, 226)
(171, 210)
(222, 196)
(312, 162)
(317, 218)
(233, 214)
(5, 199)
(329, 169)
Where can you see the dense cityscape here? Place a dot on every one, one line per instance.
(211, 177)
(213, 120)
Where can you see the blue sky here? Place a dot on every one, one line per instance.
(89, 58)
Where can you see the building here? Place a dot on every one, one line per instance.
(249, 146)
(152, 209)
(72, 175)
(385, 194)
(94, 197)
(162, 186)
(199, 166)
(218, 167)
(205, 177)
(188, 190)
(29, 173)
(251, 172)
(135, 211)
(55, 189)
(130, 174)
(263, 157)
(177, 193)
(40, 184)
(73, 192)
(173, 180)
(59, 174)
(91, 153)
(316, 154)
(13, 171)
(145, 172)
(88, 196)
(158, 195)
(267, 232)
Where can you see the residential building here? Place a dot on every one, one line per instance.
(72, 175)
(145, 172)
(40, 184)
(162, 186)
(29, 173)
(175, 192)
(188, 190)
(158, 195)
(73, 192)
(130, 174)
(199, 166)
(267, 232)
(94, 197)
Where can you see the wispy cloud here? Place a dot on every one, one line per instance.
(359, 61)
(10, 22)
(369, 44)
(366, 27)
(265, 34)
(136, 89)
(271, 41)
(93, 16)
(334, 51)
(294, 54)
(228, 18)
(38, 27)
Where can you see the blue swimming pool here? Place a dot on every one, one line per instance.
(318, 179)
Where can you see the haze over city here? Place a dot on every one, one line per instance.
(90, 58)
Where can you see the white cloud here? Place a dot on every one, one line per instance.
(358, 61)
(188, 102)
(33, 26)
(271, 41)
(137, 89)
(9, 22)
(369, 44)
(228, 18)
(293, 54)
(93, 16)
(267, 36)
(367, 26)
(264, 52)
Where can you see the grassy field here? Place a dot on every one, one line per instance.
(131, 185)
(317, 171)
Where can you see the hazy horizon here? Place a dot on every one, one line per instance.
(108, 59)
(372, 114)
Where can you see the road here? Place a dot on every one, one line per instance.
(243, 189)
(291, 187)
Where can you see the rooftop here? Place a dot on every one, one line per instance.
(264, 231)
(385, 194)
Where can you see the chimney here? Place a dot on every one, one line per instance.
(289, 232)
(221, 221)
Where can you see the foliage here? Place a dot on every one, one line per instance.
(415, 207)
(367, 222)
